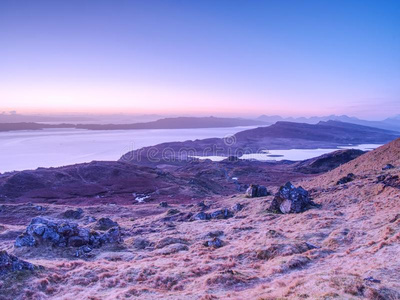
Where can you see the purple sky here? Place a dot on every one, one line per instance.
(201, 57)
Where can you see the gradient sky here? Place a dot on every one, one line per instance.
(201, 57)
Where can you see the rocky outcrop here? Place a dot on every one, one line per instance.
(10, 263)
(256, 190)
(43, 231)
(290, 199)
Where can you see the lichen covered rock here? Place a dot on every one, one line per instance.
(290, 199)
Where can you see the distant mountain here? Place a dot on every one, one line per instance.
(177, 123)
(388, 124)
(167, 123)
(281, 135)
(324, 131)
(78, 118)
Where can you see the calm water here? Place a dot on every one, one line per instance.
(294, 154)
(21, 150)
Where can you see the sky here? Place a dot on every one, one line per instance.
(227, 58)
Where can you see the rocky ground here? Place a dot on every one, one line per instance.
(341, 240)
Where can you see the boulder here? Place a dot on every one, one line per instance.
(277, 250)
(213, 234)
(256, 190)
(141, 243)
(64, 234)
(214, 243)
(106, 223)
(73, 214)
(290, 199)
(202, 205)
(10, 263)
(170, 241)
(238, 207)
(388, 167)
(389, 180)
(174, 248)
(221, 214)
(348, 178)
(201, 216)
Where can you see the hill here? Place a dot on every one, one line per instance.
(224, 247)
(166, 123)
(282, 135)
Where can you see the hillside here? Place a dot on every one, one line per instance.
(387, 124)
(345, 247)
(282, 135)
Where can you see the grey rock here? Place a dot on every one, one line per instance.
(216, 233)
(290, 199)
(10, 263)
(214, 243)
(25, 240)
(238, 207)
(201, 216)
(106, 223)
(112, 236)
(388, 167)
(221, 214)
(256, 190)
(169, 241)
(63, 234)
(346, 179)
(73, 214)
(173, 249)
(141, 243)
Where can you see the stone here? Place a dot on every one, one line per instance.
(73, 214)
(238, 207)
(171, 249)
(172, 211)
(141, 243)
(255, 190)
(106, 223)
(372, 279)
(221, 214)
(76, 241)
(277, 250)
(163, 204)
(216, 233)
(83, 251)
(169, 241)
(25, 240)
(112, 236)
(65, 234)
(388, 167)
(201, 216)
(214, 243)
(346, 179)
(10, 263)
(290, 199)
(202, 205)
